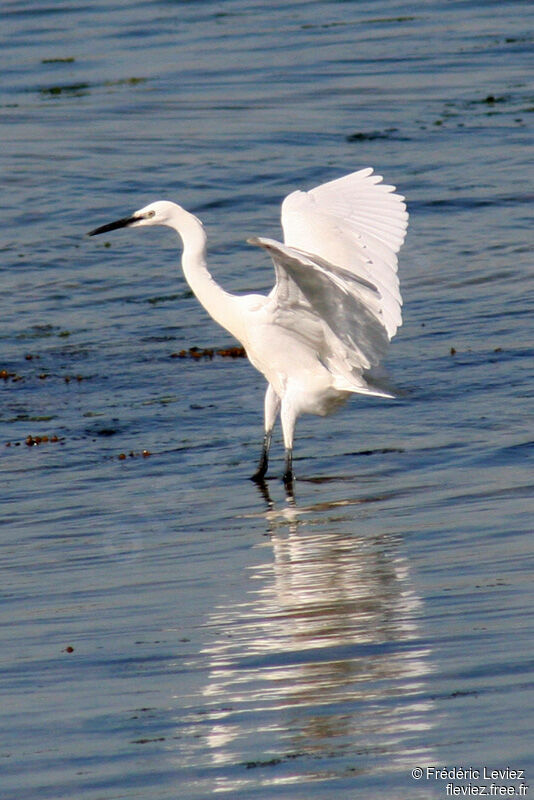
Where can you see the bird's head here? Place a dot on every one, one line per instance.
(161, 212)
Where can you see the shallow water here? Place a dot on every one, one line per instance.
(167, 629)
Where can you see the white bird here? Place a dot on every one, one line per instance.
(335, 304)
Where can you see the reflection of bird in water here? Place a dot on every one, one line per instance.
(335, 304)
(321, 659)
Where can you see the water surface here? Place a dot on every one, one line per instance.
(167, 629)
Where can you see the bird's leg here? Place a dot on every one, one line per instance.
(261, 472)
(288, 470)
(272, 407)
(288, 418)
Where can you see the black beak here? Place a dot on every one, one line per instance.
(112, 226)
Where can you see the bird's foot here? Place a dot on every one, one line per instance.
(261, 472)
(288, 478)
(259, 475)
(288, 472)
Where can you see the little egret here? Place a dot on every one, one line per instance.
(335, 304)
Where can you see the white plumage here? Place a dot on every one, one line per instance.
(335, 305)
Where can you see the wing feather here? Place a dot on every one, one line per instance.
(337, 287)
(334, 311)
(355, 222)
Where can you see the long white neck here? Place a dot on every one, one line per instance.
(220, 305)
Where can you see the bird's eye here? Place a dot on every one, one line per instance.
(150, 214)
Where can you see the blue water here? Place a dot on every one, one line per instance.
(167, 630)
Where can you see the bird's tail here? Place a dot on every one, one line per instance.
(360, 387)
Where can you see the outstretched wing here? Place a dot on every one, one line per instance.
(336, 274)
(355, 222)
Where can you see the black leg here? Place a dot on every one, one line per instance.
(288, 471)
(261, 472)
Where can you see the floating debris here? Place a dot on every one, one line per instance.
(132, 454)
(70, 89)
(197, 353)
(132, 81)
(68, 60)
(147, 741)
(273, 762)
(370, 136)
(7, 375)
(491, 99)
(33, 441)
(106, 432)
(453, 350)
(382, 20)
